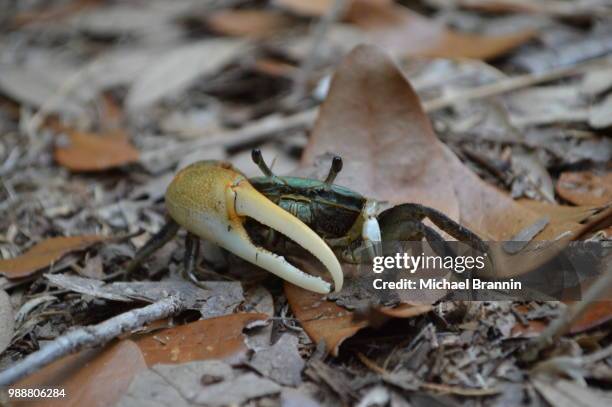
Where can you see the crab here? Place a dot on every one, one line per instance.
(213, 200)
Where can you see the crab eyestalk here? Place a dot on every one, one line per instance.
(212, 199)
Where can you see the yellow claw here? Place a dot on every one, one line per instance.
(211, 199)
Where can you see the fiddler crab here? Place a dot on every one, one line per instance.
(216, 202)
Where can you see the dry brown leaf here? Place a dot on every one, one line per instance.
(91, 152)
(530, 330)
(561, 213)
(585, 188)
(403, 32)
(598, 313)
(92, 377)
(214, 338)
(376, 317)
(45, 253)
(322, 320)
(248, 23)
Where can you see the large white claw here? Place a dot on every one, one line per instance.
(211, 201)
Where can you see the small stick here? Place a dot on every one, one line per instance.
(510, 84)
(266, 128)
(89, 337)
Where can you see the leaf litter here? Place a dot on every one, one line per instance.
(147, 88)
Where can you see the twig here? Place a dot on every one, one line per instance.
(261, 129)
(90, 336)
(507, 85)
(300, 84)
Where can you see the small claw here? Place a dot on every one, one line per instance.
(370, 233)
(211, 200)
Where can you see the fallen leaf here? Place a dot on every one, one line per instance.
(560, 213)
(86, 286)
(133, 20)
(248, 23)
(90, 152)
(404, 32)
(92, 377)
(297, 398)
(377, 316)
(39, 79)
(233, 391)
(532, 329)
(322, 320)
(178, 69)
(259, 299)
(280, 362)
(45, 253)
(214, 338)
(598, 313)
(7, 320)
(209, 383)
(586, 187)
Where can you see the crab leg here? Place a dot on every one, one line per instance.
(211, 200)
